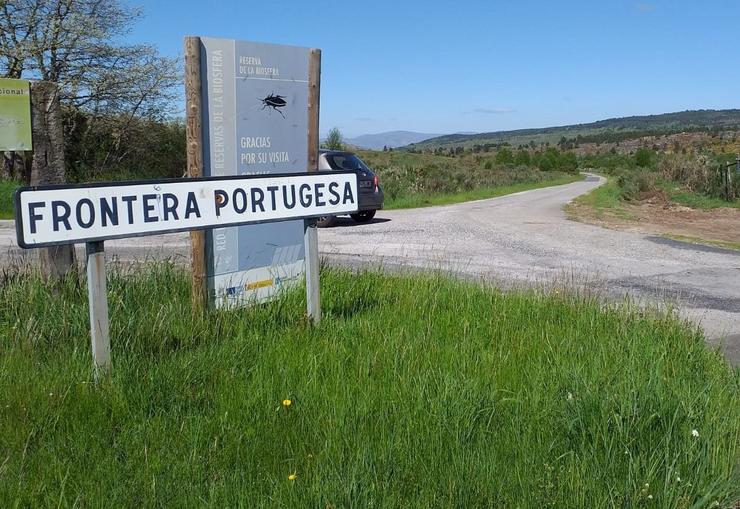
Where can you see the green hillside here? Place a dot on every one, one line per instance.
(610, 130)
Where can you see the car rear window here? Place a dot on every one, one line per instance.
(346, 162)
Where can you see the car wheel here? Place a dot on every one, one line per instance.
(326, 221)
(364, 216)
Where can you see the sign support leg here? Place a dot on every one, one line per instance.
(313, 295)
(194, 141)
(98, 301)
(310, 231)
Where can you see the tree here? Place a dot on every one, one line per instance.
(73, 43)
(76, 44)
(334, 140)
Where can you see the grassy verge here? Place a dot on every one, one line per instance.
(606, 198)
(425, 200)
(679, 194)
(413, 392)
(6, 199)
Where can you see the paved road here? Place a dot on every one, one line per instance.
(521, 239)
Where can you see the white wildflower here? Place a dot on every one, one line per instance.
(695, 433)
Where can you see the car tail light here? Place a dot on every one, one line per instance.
(375, 182)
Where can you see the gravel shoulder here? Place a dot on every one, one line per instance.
(658, 216)
(515, 240)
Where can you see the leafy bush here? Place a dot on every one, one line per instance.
(402, 174)
(99, 149)
(504, 156)
(644, 157)
(553, 159)
(611, 163)
(522, 158)
(633, 183)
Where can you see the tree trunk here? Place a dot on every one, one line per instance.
(47, 166)
(7, 170)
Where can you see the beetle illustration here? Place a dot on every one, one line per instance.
(275, 102)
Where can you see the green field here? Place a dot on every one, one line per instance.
(415, 391)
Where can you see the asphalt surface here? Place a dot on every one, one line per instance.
(521, 239)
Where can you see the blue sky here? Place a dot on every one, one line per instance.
(440, 67)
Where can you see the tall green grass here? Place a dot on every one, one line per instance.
(679, 194)
(7, 188)
(414, 391)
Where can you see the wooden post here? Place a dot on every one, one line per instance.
(310, 236)
(730, 188)
(98, 301)
(47, 166)
(194, 140)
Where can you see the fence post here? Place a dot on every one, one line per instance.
(730, 189)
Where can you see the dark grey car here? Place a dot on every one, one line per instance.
(371, 194)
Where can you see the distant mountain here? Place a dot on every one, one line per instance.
(614, 129)
(389, 139)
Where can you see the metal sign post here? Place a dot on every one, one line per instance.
(97, 298)
(92, 213)
(313, 296)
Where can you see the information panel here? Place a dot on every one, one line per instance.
(15, 115)
(255, 122)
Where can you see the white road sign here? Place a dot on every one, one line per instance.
(55, 215)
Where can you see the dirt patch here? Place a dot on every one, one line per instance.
(656, 215)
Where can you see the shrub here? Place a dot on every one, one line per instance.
(634, 183)
(504, 156)
(644, 157)
(694, 172)
(522, 158)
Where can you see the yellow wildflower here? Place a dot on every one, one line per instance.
(287, 403)
(293, 476)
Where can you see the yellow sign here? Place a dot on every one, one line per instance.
(15, 115)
